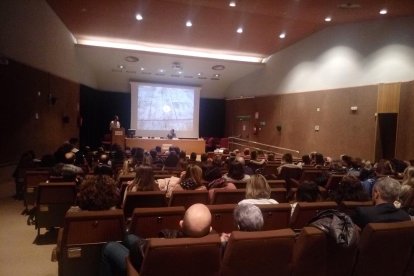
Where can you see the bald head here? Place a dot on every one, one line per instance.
(197, 221)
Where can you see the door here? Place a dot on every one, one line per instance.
(386, 135)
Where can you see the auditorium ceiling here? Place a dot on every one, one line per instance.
(249, 29)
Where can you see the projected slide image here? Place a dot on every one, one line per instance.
(162, 108)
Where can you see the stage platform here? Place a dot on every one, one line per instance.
(189, 145)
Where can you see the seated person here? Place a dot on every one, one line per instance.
(308, 191)
(171, 134)
(143, 181)
(172, 159)
(254, 163)
(236, 172)
(385, 192)
(98, 192)
(68, 169)
(195, 224)
(350, 189)
(258, 191)
(247, 217)
(191, 179)
(287, 161)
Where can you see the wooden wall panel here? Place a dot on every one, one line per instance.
(20, 130)
(340, 130)
(388, 97)
(405, 130)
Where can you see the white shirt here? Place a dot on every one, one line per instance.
(258, 201)
(114, 124)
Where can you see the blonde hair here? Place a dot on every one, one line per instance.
(257, 187)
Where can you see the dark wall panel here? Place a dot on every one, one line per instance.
(26, 91)
(212, 112)
(97, 110)
(405, 130)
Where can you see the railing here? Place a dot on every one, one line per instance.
(235, 142)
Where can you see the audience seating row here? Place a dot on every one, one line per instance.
(187, 198)
(384, 249)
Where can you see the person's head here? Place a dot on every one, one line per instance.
(248, 217)
(386, 190)
(153, 154)
(308, 191)
(172, 131)
(193, 177)
(408, 176)
(287, 158)
(144, 178)
(350, 188)
(253, 155)
(204, 157)
(69, 158)
(271, 156)
(257, 187)
(103, 158)
(346, 161)
(319, 160)
(306, 159)
(98, 193)
(236, 170)
(182, 155)
(193, 156)
(197, 221)
(116, 118)
(246, 152)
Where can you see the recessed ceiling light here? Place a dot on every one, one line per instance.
(138, 17)
(239, 30)
(179, 72)
(131, 59)
(120, 66)
(383, 11)
(328, 19)
(232, 3)
(282, 35)
(161, 70)
(199, 74)
(188, 23)
(142, 68)
(218, 67)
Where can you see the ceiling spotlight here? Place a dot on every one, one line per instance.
(218, 67)
(188, 23)
(131, 59)
(180, 72)
(142, 68)
(383, 11)
(138, 17)
(120, 66)
(240, 30)
(232, 3)
(328, 19)
(199, 74)
(282, 35)
(161, 70)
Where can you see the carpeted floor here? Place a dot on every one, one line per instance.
(20, 252)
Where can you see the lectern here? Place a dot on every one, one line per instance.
(118, 137)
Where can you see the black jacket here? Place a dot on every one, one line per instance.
(385, 212)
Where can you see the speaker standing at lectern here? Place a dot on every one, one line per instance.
(114, 123)
(171, 134)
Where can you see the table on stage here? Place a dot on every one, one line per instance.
(188, 145)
